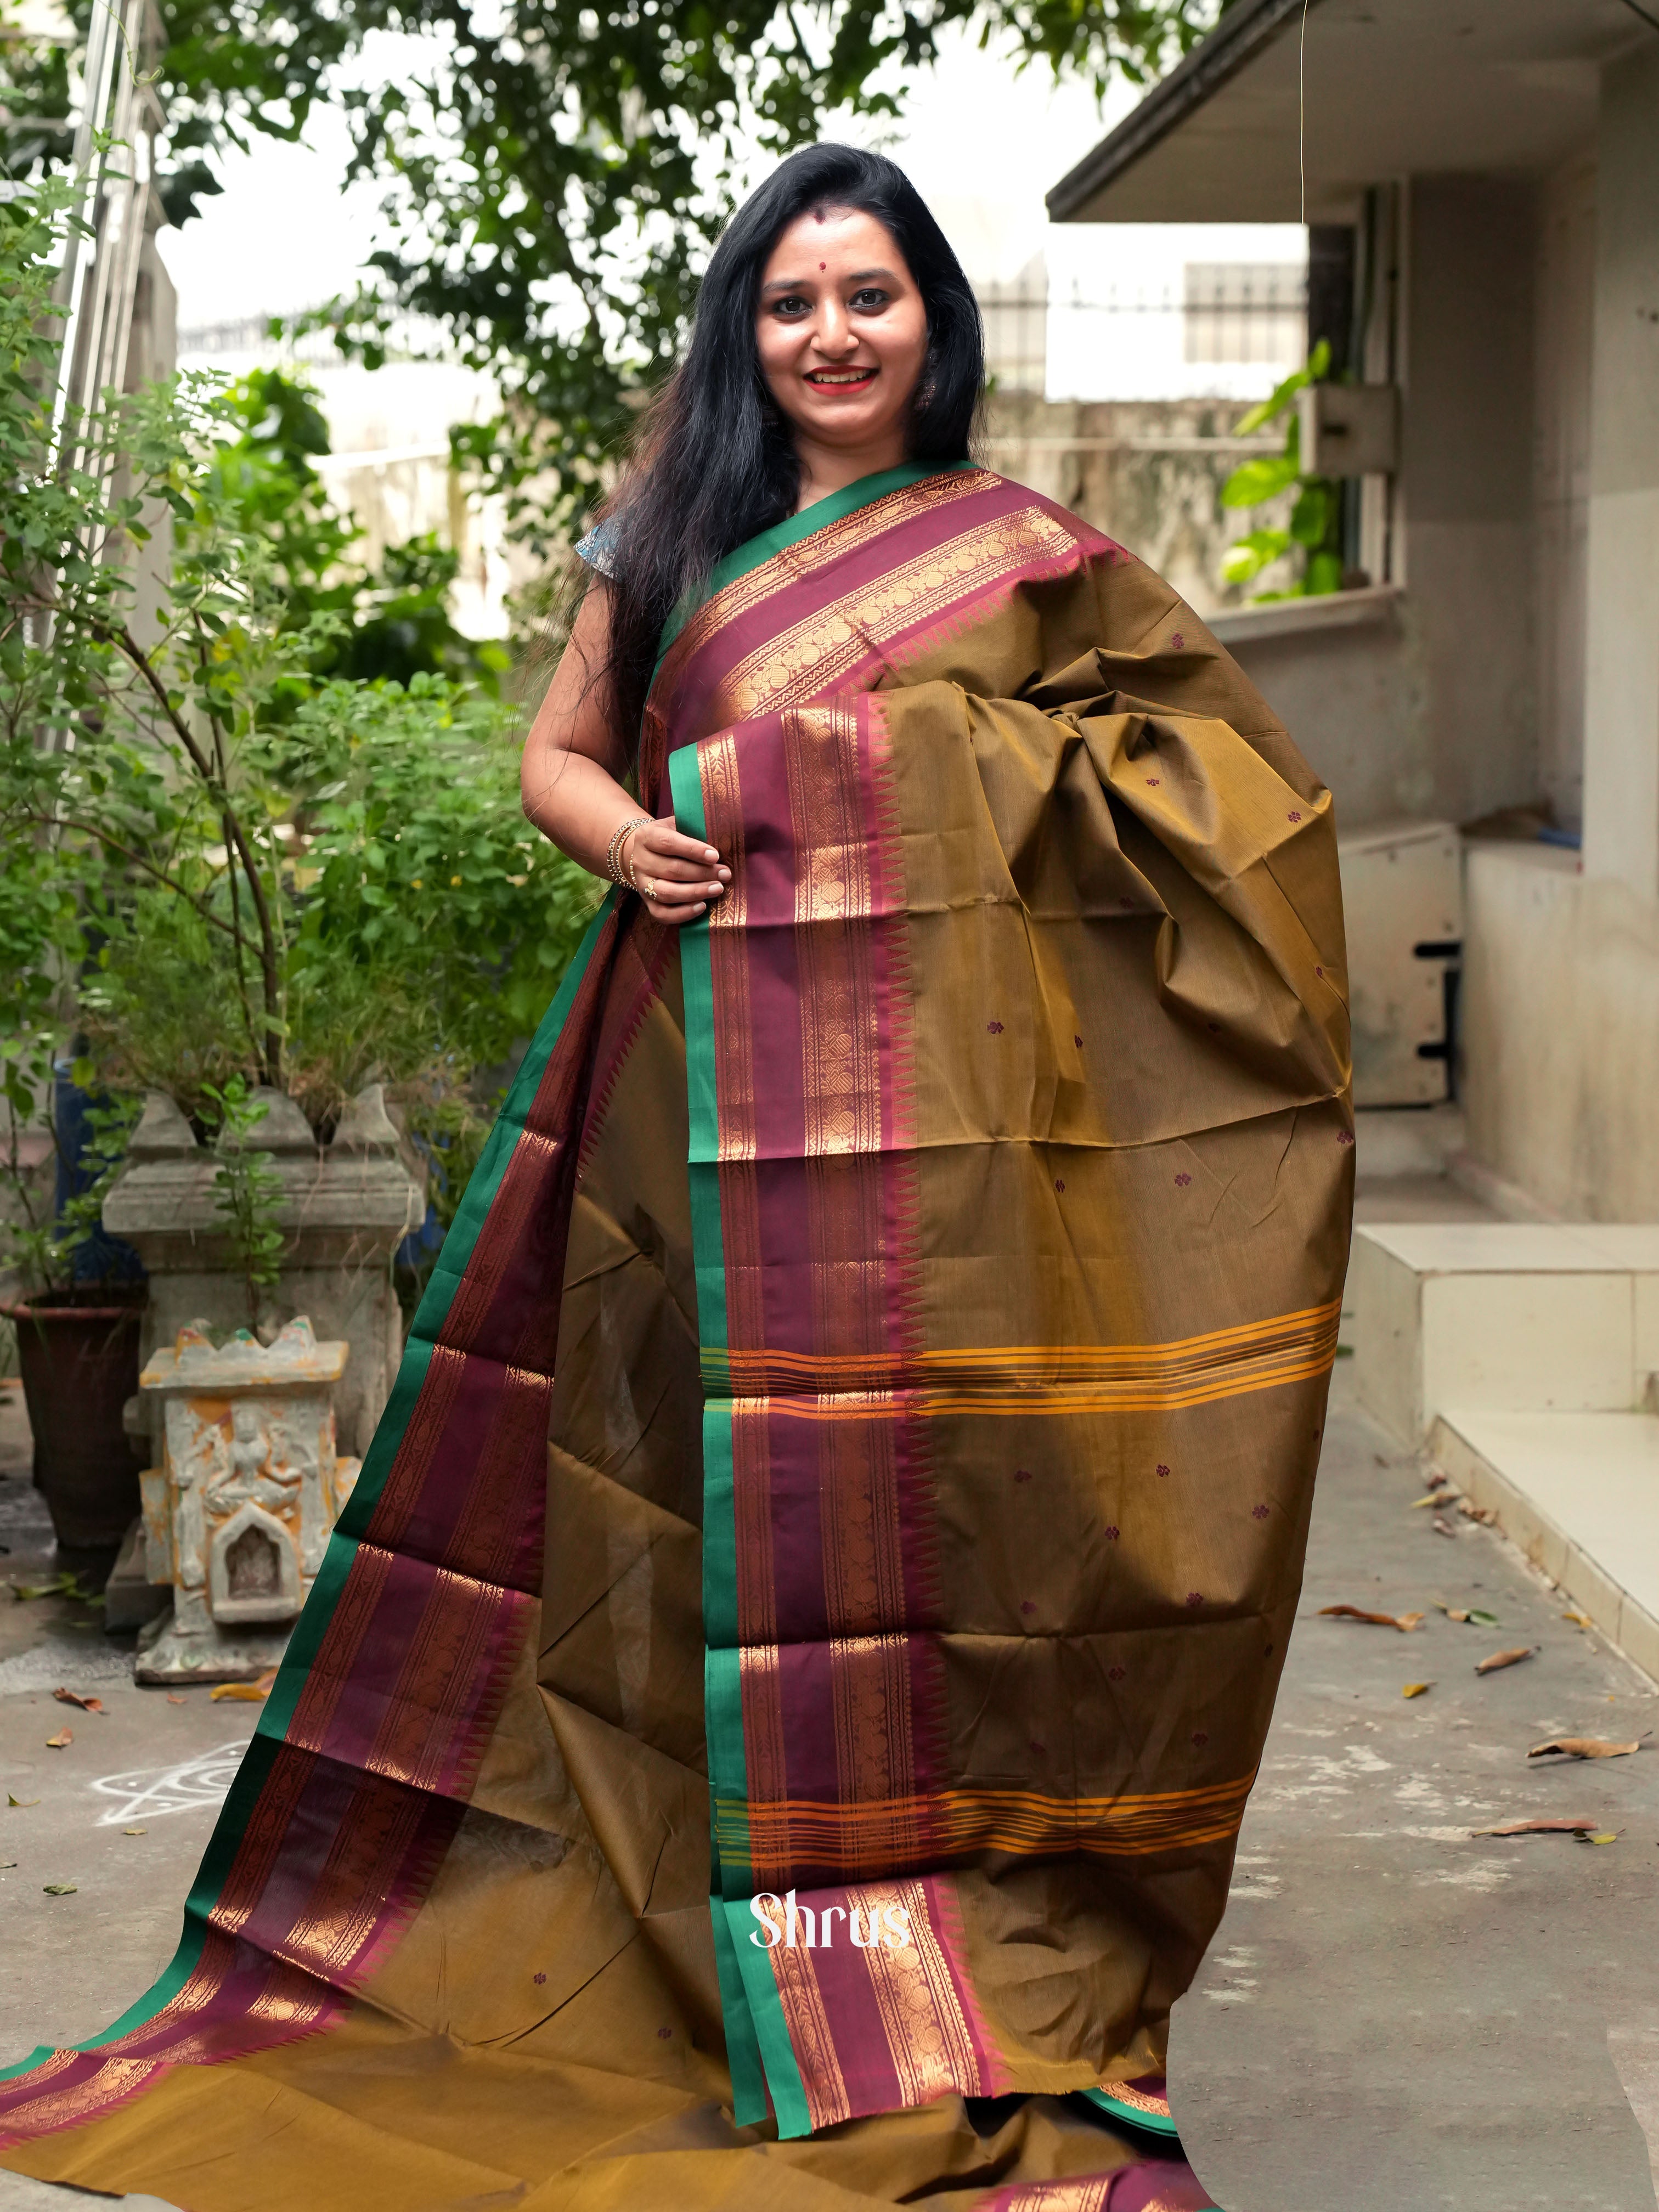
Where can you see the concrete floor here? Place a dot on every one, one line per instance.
(1396, 2016)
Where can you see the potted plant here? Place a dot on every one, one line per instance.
(78, 1314)
(270, 848)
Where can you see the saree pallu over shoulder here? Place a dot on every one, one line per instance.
(1019, 1177)
(858, 1439)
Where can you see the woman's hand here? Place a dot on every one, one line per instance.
(678, 877)
(572, 796)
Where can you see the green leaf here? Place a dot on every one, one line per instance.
(1249, 556)
(1324, 575)
(1314, 370)
(1312, 515)
(1260, 479)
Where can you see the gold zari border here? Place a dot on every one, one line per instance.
(866, 1837)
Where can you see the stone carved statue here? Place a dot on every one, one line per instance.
(237, 1518)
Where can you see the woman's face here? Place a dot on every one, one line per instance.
(841, 329)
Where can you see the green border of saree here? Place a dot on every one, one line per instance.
(791, 529)
(758, 2050)
(722, 1688)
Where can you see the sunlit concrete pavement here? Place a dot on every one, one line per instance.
(1397, 2016)
(72, 1963)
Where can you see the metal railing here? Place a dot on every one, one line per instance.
(1246, 313)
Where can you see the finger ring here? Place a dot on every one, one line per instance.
(648, 887)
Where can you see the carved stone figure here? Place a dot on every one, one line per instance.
(237, 1516)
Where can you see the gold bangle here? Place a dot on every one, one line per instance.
(612, 856)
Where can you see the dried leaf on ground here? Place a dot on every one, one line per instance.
(1583, 1746)
(1606, 1836)
(173, 1698)
(1539, 1828)
(1579, 1619)
(74, 1698)
(1444, 1528)
(1403, 1621)
(135, 1831)
(251, 1691)
(6, 1865)
(22, 1803)
(58, 1889)
(1431, 1497)
(1437, 1480)
(62, 1740)
(1416, 1689)
(1471, 1614)
(1497, 1659)
(1483, 1514)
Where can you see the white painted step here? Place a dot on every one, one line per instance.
(1501, 1316)
(1579, 1493)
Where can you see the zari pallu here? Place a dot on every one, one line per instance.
(793, 1664)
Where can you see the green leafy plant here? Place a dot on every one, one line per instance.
(236, 860)
(393, 622)
(247, 1191)
(554, 176)
(1315, 520)
(46, 1245)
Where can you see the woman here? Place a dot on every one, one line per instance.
(926, 1469)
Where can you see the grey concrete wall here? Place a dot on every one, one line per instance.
(1561, 977)
(1353, 700)
(1560, 1023)
(1161, 500)
(1434, 711)
(1465, 485)
(1621, 740)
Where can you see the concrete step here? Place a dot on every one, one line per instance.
(1503, 1317)
(1579, 1493)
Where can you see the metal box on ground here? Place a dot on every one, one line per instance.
(1402, 897)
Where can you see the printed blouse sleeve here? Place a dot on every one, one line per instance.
(598, 549)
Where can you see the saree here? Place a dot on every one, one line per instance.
(774, 1720)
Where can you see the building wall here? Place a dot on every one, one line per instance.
(1432, 710)
(1561, 978)
(1621, 761)
(1563, 319)
(1466, 488)
(1149, 473)
(1353, 699)
(1560, 1025)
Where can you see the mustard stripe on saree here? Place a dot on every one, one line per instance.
(927, 1466)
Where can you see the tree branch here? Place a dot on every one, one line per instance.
(272, 975)
(139, 861)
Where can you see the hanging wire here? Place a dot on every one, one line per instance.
(1302, 110)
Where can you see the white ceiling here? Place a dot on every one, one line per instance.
(1394, 87)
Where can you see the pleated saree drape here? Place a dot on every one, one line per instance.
(801, 1642)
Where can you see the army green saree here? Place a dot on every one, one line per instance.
(794, 1662)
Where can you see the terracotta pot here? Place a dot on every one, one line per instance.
(78, 1352)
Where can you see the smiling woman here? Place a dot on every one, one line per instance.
(843, 332)
(772, 1727)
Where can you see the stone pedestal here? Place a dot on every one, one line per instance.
(345, 1208)
(238, 1514)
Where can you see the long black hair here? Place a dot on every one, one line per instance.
(715, 463)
